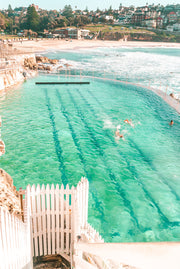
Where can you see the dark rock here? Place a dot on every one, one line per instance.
(53, 61)
(30, 63)
(48, 68)
(42, 59)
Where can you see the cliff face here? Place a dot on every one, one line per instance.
(15, 70)
(9, 197)
(22, 67)
(10, 78)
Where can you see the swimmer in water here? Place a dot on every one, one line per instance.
(129, 122)
(2, 148)
(117, 133)
(171, 123)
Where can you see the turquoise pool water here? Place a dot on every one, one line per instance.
(56, 134)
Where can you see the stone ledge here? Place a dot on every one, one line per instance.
(9, 196)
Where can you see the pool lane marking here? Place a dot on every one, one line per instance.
(165, 219)
(59, 151)
(145, 158)
(101, 153)
(132, 169)
(98, 203)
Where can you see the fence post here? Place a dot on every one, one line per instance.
(39, 213)
(48, 219)
(53, 218)
(44, 225)
(21, 202)
(57, 203)
(67, 219)
(62, 218)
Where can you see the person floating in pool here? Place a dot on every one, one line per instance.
(2, 148)
(171, 123)
(118, 135)
(129, 122)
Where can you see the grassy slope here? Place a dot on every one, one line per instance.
(111, 28)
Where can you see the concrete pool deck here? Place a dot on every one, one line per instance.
(157, 255)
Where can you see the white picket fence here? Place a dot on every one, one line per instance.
(57, 216)
(15, 247)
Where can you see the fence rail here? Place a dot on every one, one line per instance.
(15, 249)
(51, 219)
(57, 216)
(54, 219)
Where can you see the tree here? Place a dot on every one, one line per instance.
(10, 11)
(85, 20)
(70, 21)
(68, 13)
(103, 20)
(86, 10)
(44, 20)
(110, 21)
(109, 10)
(62, 22)
(32, 19)
(9, 26)
(77, 21)
(2, 21)
(95, 20)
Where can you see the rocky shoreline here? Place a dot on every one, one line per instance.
(40, 63)
(9, 196)
(25, 66)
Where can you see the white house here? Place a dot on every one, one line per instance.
(170, 28)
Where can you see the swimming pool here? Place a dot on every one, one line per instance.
(58, 133)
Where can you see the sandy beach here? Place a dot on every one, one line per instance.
(43, 45)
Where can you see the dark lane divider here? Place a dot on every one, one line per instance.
(62, 83)
(58, 148)
(98, 203)
(103, 157)
(132, 168)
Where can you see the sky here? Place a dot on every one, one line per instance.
(81, 4)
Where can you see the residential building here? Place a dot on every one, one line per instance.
(172, 17)
(159, 22)
(137, 17)
(170, 28)
(74, 33)
(150, 23)
(176, 27)
(84, 33)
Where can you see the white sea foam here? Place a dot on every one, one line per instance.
(108, 124)
(129, 64)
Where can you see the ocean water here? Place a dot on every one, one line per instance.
(157, 67)
(58, 133)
